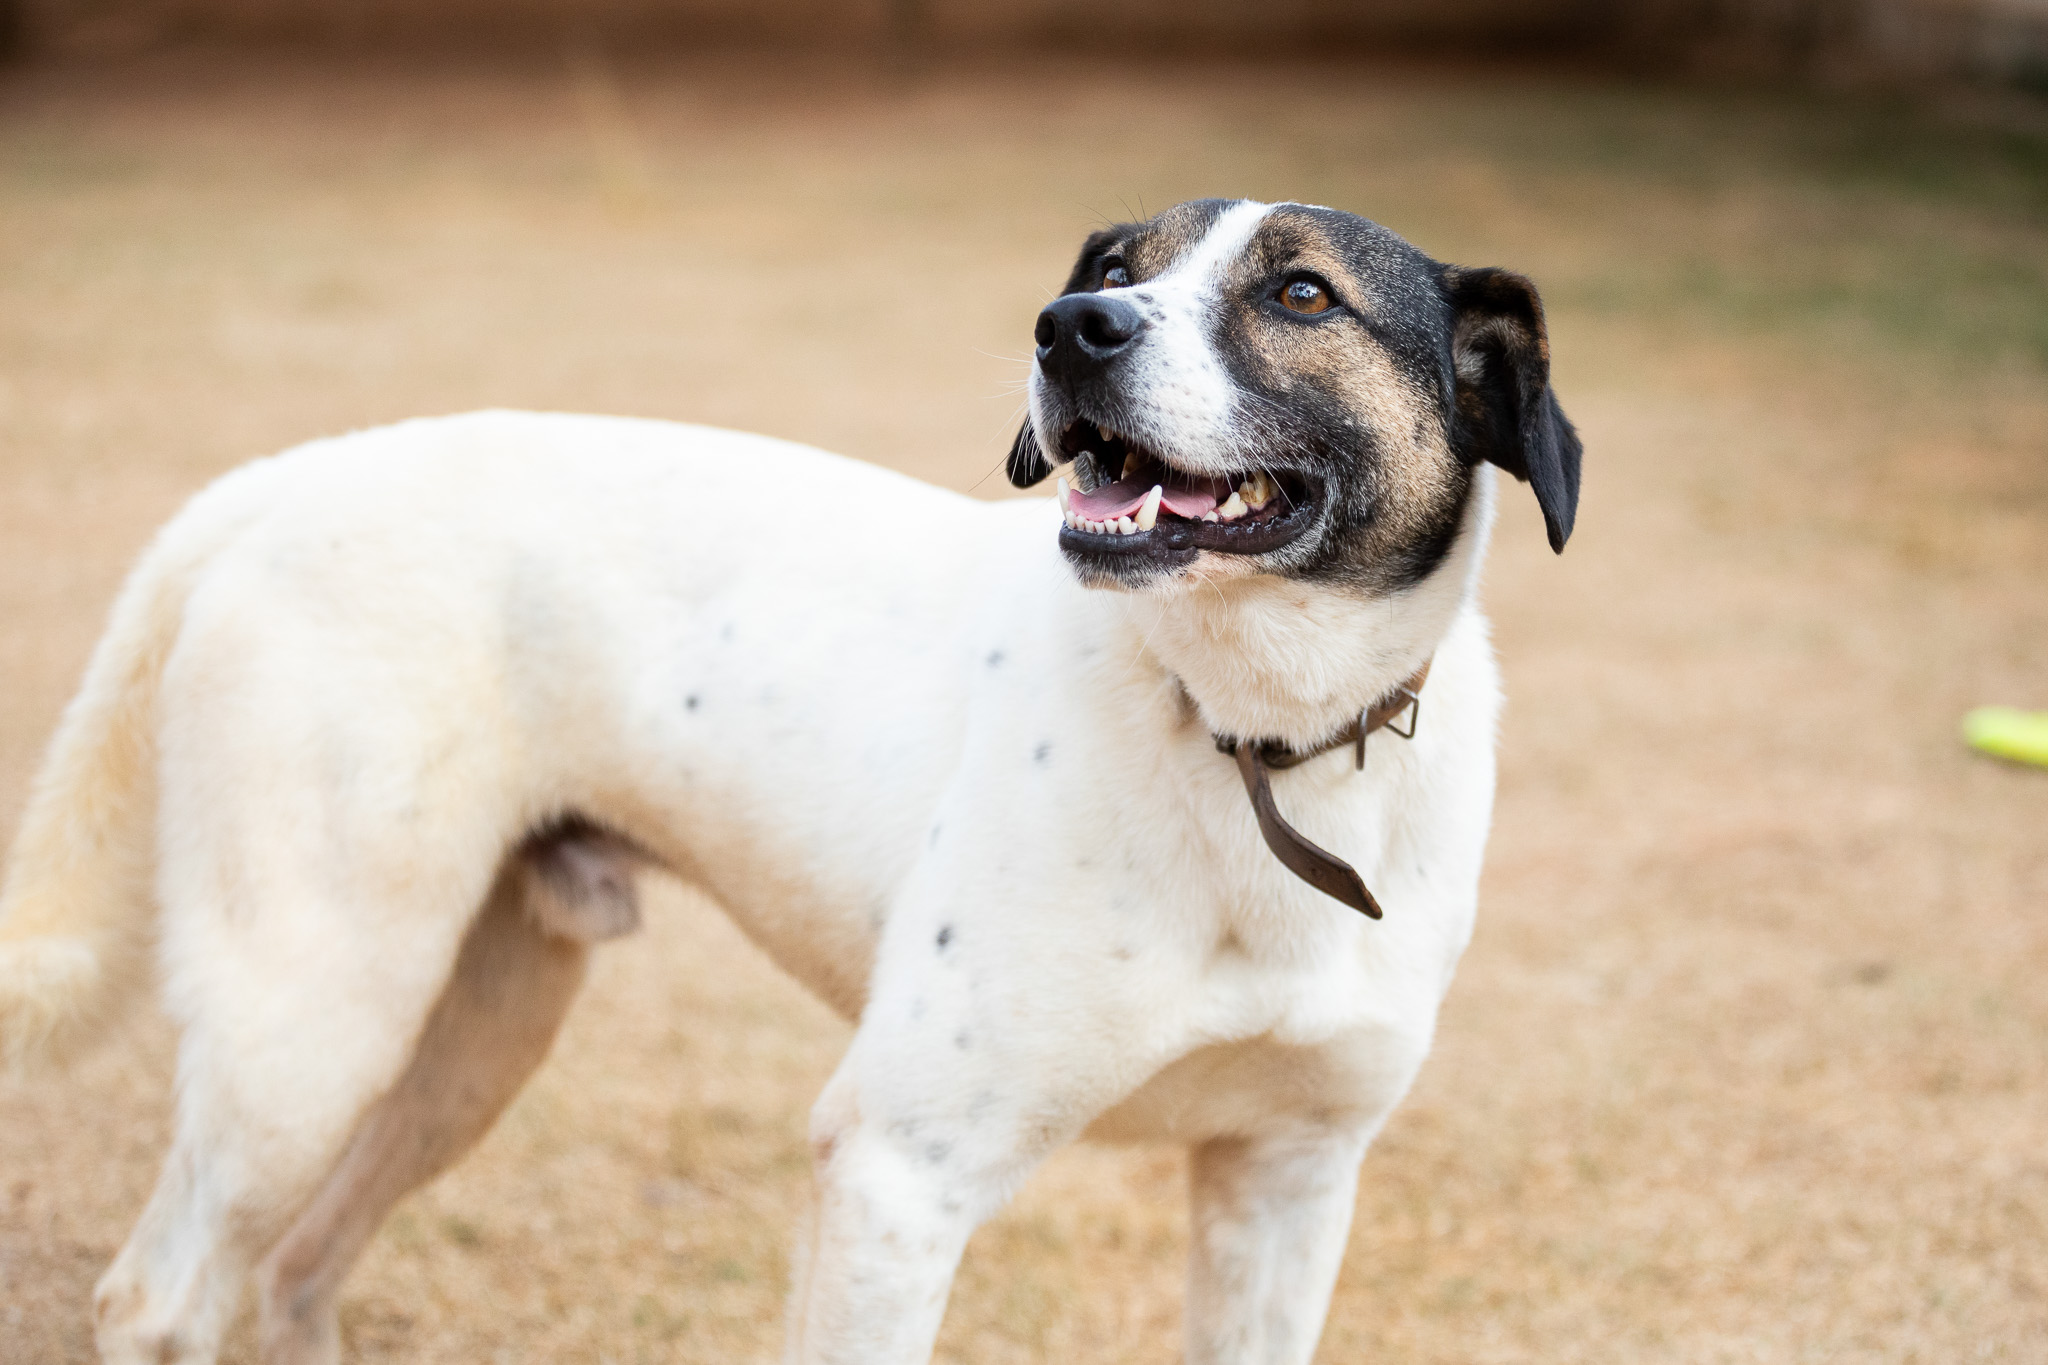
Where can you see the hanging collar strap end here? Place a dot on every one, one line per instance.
(1256, 759)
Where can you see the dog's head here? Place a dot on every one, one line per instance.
(1254, 388)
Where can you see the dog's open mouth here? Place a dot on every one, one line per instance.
(1116, 495)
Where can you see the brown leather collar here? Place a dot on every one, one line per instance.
(1320, 868)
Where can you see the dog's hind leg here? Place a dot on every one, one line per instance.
(287, 1041)
(317, 1091)
(517, 974)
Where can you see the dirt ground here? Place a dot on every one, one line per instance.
(1749, 1058)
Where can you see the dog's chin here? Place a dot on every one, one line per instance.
(1134, 517)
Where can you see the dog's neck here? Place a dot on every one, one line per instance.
(1265, 657)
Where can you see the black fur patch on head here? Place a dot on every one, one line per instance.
(1150, 248)
(1087, 271)
(1356, 393)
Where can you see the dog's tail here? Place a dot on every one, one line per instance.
(75, 907)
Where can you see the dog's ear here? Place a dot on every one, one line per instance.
(1027, 464)
(1505, 412)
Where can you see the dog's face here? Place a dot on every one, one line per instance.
(1237, 388)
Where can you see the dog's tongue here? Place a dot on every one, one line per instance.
(1125, 496)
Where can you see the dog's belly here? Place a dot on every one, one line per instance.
(1258, 1086)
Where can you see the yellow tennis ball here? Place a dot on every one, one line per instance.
(2009, 732)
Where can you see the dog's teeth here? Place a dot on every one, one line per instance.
(1063, 496)
(1126, 527)
(1258, 490)
(1209, 516)
(1148, 511)
(1104, 432)
(1232, 508)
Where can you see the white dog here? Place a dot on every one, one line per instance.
(382, 726)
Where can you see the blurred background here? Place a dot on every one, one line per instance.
(1749, 1058)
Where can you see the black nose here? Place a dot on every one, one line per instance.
(1082, 332)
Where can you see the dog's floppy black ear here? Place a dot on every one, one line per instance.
(1027, 464)
(1505, 412)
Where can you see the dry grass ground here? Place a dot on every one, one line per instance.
(1749, 1060)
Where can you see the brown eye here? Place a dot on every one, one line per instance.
(1116, 277)
(1305, 296)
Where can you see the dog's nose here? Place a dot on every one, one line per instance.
(1082, 332)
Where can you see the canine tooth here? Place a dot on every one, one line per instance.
(1258, 490)
(1232, 508)
(1063, 497)
(1104, 432)
(1148, 511)
(1126, 527)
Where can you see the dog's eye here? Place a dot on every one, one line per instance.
(1115, 277)
(1305, 296)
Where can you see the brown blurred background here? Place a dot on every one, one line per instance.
(1979, 39)
(1749, 1059)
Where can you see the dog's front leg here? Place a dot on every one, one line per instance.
(911, 1153)
(987, 1043)
(885, 1237)
(1270, 1216)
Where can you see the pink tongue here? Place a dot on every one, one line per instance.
(1124, 497)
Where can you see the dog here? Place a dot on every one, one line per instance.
(383, 729)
